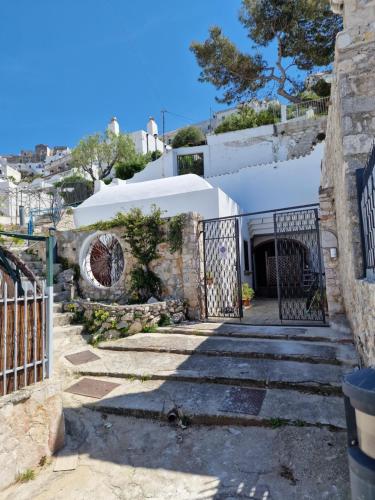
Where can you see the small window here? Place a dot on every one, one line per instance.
(246, 255)
(190, 164)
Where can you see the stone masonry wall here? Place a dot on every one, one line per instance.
(111, 321)
(178, 271)
(31, 427)
(350, 133)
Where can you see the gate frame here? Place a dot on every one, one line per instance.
(49, 248)
(314, 206)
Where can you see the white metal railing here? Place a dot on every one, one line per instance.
(25, 337)
(307, 109)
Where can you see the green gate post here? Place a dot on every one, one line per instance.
(50, 241)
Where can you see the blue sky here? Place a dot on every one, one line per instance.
(67, 66)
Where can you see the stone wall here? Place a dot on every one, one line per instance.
(178, 271)
(350, 132)
(111, 321)
(31, 427)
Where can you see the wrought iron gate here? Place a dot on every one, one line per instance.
(300, 286)
(296, 266)
(222, 276)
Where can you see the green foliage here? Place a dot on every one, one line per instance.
(97, 154)
(155, 155)
(175, 234)
(278, 422)
(144, 233)
(24, 477)
(144, 284)
(300, 33)
(322, 88)
(190, 164)
(126, 169)
(71, 308)
(135, 163)
(188, 136)
(149, 329)
(247, 117)
(100, 315)
(247, 292)
(165, 320)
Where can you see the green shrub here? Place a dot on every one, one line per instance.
(322, 88)
(149, 329)
(165, 320)
(188, 136)
(27, 475)
(175, 234)
(144, 284)
(247, 117)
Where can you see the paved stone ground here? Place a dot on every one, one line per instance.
(291, 447)
(126, 458)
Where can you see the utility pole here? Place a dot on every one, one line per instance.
(163, 111)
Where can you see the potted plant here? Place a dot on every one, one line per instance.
(247, 294)
(209, 278)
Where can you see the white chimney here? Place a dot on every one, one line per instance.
(152, 128)
(113, 126)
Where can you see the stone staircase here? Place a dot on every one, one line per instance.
(207, 373)
(38, 266)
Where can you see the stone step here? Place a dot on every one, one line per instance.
(61, 296)
(67, 330)
(312, 352)
(310, 377)
(216, 404)
(58, 287)
(57, 307)
(62, 319)
(310, 334)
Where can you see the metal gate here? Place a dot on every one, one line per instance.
(300, 286)
(297, 265)
(222, 275)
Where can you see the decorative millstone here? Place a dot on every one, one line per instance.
(92, 388)
(82, 357)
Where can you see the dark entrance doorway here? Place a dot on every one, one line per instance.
(287, 267)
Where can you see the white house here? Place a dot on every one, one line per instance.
(174, 195)
(144, 141)
(8, 172)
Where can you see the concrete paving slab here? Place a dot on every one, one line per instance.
(137, 459)
(223, 369)
(317, 352)
(214, 404)
(317, 333)
(66, 459)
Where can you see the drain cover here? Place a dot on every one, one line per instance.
(243, 400)
(92, 388)
(82, 357)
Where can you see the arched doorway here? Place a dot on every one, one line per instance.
(290, 266)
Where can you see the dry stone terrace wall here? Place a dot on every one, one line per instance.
(350, 132)
(31, 427)
(110, 321)
(178, 271)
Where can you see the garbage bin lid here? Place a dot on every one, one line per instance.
(359, 386)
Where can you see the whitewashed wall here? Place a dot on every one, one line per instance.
(140, 139)
(276, 185)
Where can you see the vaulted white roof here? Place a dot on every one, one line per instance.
(121, 191)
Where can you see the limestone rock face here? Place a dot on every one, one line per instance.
(31, 427)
